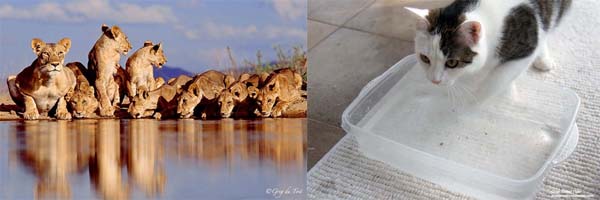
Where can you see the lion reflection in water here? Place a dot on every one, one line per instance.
(54, 151)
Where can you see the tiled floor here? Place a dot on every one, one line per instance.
(351, 42)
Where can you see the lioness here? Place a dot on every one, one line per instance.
(104, 65)
(145, 104)
(139, 67)
(81, 100)
(281, 89)
(205, 86)
(44, 84)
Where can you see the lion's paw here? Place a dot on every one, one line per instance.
(32, 115)
(277, 111)
(107, 112)
(157, 116)
(63, 115)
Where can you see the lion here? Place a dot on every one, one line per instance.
(155, 103)
(239, 107)
(44, 84)
(104, 68)
(203, 88)
(139, 67)
(81, 100)
(235, 99)
(281, 89)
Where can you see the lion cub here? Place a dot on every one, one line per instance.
(104, 68)
(235, 99)
(204, 88)
(139, 67)
(44, 84)
(281, 89)
(81, 100)
(154, 103)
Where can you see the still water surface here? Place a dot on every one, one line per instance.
(138, 159)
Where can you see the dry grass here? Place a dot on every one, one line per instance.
(295, 58)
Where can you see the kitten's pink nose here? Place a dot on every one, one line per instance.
(436, 81)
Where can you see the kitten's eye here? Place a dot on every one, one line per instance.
(60, 53)
(424, 58)
(451, 63)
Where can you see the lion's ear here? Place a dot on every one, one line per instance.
(156, 47)
(229, 80)
(196, 91)
(104, 28)
(66, 42)
(147, 43)
(113, 32)
(69, 95)
(37, 45)
(244, 77)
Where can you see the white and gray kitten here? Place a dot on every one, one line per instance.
(482, 46)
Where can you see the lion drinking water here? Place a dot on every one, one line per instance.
(204, 87)
(281, 90)
(81, 100)
(44, 84)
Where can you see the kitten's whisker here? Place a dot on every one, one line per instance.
(453, 92)
(470, 93)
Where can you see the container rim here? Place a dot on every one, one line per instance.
(367, 89)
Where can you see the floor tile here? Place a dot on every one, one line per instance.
(317, 31)
(389, 18)
(321, 138)
(335, 11)
(342, 64)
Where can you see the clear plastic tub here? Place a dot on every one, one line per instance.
(501, 150)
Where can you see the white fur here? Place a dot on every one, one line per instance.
(485, 76)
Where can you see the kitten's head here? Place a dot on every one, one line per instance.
(446, 45)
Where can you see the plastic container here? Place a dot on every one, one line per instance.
(500, 150)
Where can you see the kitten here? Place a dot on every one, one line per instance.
(482, 46)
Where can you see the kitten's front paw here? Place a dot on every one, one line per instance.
(63, 115)
(543, 64)
(31, 115)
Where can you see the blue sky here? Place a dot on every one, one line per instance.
(194, 32)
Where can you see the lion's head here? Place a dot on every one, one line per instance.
(186, 102)
(82, 102)
(50, 56)
(239, 91)
(227, 103)
(156, 54)
(123, 46)
(267, 97)
(140, 103)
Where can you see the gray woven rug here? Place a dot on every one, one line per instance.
(344, 173)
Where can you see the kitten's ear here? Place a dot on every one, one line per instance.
(422, 23)
(471, 32)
